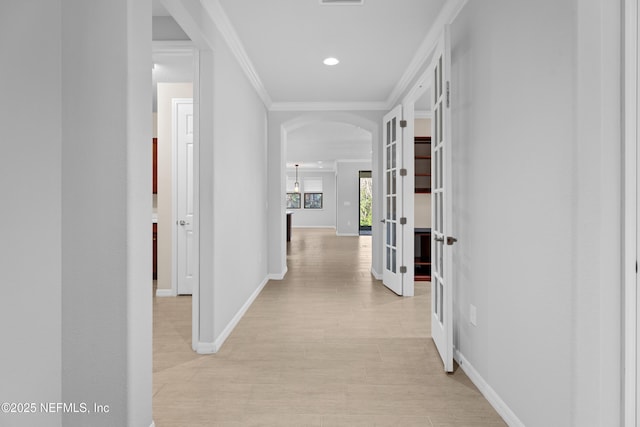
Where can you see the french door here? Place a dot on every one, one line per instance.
(441, 283)
(392, 205)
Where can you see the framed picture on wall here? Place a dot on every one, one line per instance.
(293, 200)
(313, 200)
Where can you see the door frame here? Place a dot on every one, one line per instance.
(423, 84)
(631, 229)
(360, 198)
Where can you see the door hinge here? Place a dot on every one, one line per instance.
(403, 221)
(403, 172)
(403, 269)
(403, 123)
(448, 95)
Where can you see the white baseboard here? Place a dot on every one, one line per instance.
(206, 348)
(217, 344)
(489, 393)
(279, 276)
(314, 226)
(375, 274)
(166, 293)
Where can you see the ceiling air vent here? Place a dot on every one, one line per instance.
(342, 2)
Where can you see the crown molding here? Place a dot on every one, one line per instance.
(174, 48)
(448, 13)
(328, 106)
(423, 114)
(221, 20)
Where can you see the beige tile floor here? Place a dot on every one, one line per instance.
(327, 346)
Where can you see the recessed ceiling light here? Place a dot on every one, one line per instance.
(331, 61)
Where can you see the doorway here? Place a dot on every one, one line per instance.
(366, 202)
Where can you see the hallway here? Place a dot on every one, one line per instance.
(327, 346)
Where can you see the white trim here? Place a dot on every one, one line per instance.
(328, 106)
(195, 293)
(375, 274)
(631, 214)
(172, 48)
(220, 18)
(278, 276)
(162, 293)
(342, 3)
(354, 161)
(420, 114)
(347, 234)
(205, 348)
(217, 344)
(489, 393)
(448, 13)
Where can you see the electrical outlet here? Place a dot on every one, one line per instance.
(473, 315)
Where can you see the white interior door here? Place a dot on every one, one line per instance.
(184, 193)
(441, 280)
(392, 190)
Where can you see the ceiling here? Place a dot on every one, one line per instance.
(286, 42)
(319, 145)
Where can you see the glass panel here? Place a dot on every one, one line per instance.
(388, 132)
(394, 161)
(394, 189)
(388, 208)
(393, 130)
(435, 85)
(440, 77)
(393, 235)
(441, 261)
(436, 306)
(393, 207)
(388, 263)
(388, 183)
(393, 260)
(388, 157)
(434, 126)
(440, 302)
(440, 212)
(440, 131)
(388, 233)
(440, 160)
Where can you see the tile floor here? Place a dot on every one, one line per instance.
(327, 346)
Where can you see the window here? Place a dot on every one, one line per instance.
(312, 193)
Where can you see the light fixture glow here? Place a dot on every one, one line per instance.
(331, 61)
(296, 186)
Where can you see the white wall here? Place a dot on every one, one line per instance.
(239, 188)
(348, 197)
(30, 221)
(325, 217)
(166, 92)
(536, 208)
(78, 246)
(232, 172)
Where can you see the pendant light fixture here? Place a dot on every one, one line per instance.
(296, 186)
